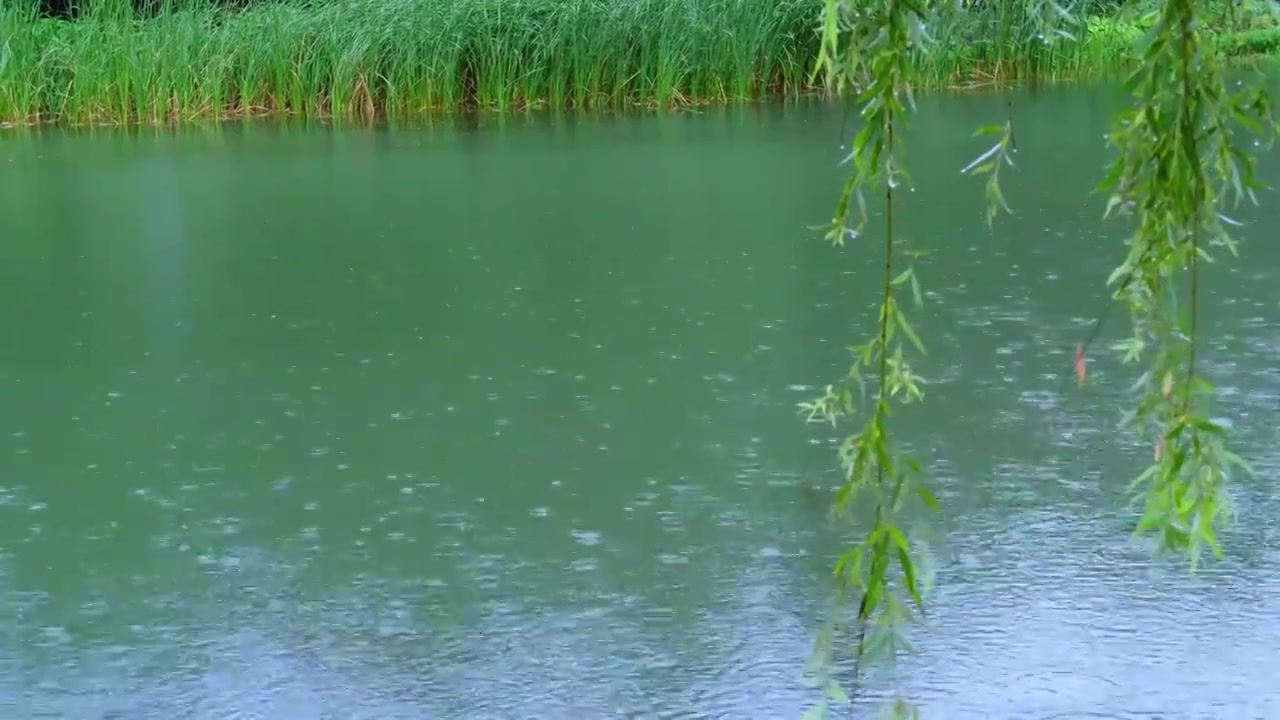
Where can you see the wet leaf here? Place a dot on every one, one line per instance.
(910, 333)
(983, 158)
(1230, 458)
(909, 573)
(927, 497)
(1208, 426)
(1080, 366)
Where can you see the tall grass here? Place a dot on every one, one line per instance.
(1001, 44)
(360, 58)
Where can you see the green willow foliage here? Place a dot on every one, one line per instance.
(1179, 159)
(870, 46)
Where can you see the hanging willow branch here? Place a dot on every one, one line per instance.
(870, 47)
(1179, 164)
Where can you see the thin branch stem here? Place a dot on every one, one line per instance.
(882, 401)
(1191, 330)
(888, 290)
(1197, 190)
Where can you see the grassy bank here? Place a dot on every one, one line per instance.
(405, 57)
(402, 57)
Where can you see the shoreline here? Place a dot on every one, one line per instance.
(368, 61)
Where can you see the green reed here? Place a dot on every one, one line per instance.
(400, 57)
(360, 58)
(997, 47)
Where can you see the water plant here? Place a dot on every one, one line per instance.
(399, 57)
(188, 60)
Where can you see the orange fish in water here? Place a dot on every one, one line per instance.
(1080, 365)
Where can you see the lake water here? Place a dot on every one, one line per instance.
(498, 420)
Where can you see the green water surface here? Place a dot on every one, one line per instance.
(498, 420)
